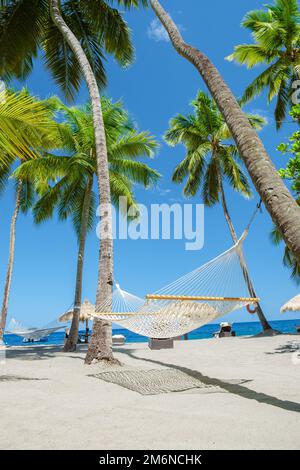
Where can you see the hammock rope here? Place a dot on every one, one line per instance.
(210, 291)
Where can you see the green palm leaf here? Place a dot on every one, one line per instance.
(209, 155)
(26, 27)
(133, 145)
(26, 126)
(61, 181)
(288, 259)
(110, 27)
(276, 32)
(21, 26)
(61, 62)
(136, 172)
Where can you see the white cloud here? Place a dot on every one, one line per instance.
(157, 32)
(163, 192)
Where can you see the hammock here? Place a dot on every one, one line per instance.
(32, 334)
(209, 292)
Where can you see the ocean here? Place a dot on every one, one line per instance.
(207, 331)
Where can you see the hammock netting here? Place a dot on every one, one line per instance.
(209, 292)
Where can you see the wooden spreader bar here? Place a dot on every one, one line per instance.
(180, 298)
(114, 314)
(185, 297)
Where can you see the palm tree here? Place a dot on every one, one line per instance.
(27, 27)
(275, 195)
(26, 128)
(22, 202)
(211, 159)
(276, 34)
(66, 182)
(73, 35)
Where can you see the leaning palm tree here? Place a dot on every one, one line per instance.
(26, 129)
(74, 35)
(273, 192)
(210, 159)
(276, 34)
(66, 182)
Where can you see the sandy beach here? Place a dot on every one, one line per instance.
(251, 398)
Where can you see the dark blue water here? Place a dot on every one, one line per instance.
(207, 331)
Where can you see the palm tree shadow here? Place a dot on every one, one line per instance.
(17, 378)
(233, 388)
(32, 353)
(35, 353)
(289, 347)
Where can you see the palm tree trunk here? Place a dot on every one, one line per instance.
(101, 343)
(275, 195)
(71, 342)
(87, 330)
(264, 322)
(10, 265)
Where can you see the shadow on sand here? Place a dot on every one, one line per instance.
(48, 352)
(289, 347)
(17, 378)
(233, 388)
(36, 353)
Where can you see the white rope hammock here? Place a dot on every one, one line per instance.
(209, 292)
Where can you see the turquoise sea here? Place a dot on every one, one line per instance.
(207, 331)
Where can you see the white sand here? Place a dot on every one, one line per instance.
(64, 408)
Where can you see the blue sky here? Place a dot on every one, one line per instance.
(158, 85)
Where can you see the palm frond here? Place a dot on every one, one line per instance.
(186, 130)
(5, 169)
(26, 125)
(211, 186)
(275, 30)
(61, 180)
(252, 55)
(283, 99)
(234, 173)
(61, 61)
(131, 3)
(261, 82)
(136, 172)
(133, 145)
(21, 27)
(77, 213)
(45, 206)
(182, 170)
(112, 30)
(121, 186)
(196, 170)
(42, 171)
(27, 197)
(288, 259)
(208, 156)
(257, 121)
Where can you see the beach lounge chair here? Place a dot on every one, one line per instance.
(118, 340)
